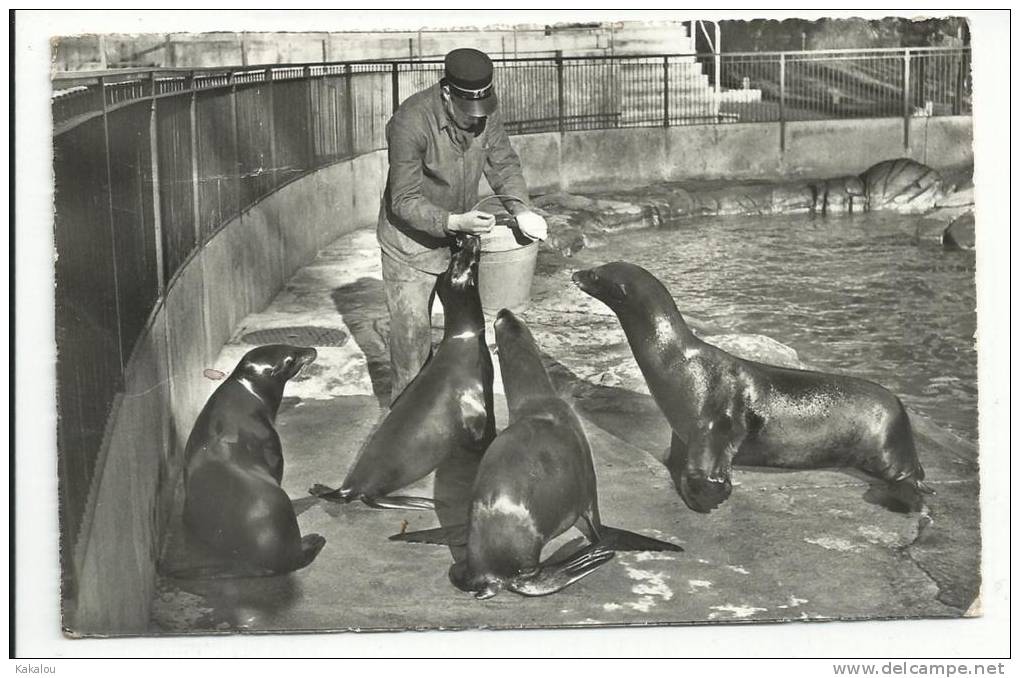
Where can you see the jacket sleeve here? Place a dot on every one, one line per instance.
(407, 144)
(503, 169)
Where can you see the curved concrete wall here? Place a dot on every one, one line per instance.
(237, 272)
(816, 148)
(243, 266)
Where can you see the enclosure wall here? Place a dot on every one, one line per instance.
(818, 148)
(237, 272)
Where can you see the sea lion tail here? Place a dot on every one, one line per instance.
(397, 502)
(453, 535)
(625, 540)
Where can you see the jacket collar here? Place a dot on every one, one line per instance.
(439, 109)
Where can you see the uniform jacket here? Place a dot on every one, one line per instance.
(432, 174)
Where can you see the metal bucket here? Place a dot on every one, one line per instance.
(505, 269)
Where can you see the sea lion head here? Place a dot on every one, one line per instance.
(274, 362)
(612, 283)
(463, 270)
(458, 287)
(623, 286)
(461, 276)
(702, 492)
(514, 340)
(502, 548)
(639, 299)
(483, 586)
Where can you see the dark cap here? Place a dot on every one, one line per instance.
(469, 77)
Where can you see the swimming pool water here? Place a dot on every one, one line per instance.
(860, 295)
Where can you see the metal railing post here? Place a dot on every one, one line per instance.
(782, 103)
(236, 141)
(717, 57)
(349, 89)
(906, 99)
(959, 76)
(396, 86)
(196, 210)
(109, 215)
(665, 91)
(271, 122)
(157, 216)
(307, 72)
(559, 90)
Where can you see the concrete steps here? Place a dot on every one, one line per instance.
(690, 93)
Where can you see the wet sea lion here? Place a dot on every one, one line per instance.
(726, 410)
(447, 407)
(234, 502)
(535, 482)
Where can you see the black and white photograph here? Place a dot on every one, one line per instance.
(534, 320)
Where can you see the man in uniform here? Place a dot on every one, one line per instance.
(440, 142)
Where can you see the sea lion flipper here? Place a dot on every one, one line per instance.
(625, 540)
(453, 535)
(311, 544)
(397, 502)
(549, 579)
(328, 493)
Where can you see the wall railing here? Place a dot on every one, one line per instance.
(150, 163)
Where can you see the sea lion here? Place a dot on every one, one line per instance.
(447, 407)
(233, 501)
(534, 483)
(725, 410)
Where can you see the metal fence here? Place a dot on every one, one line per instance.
(149, 163)
(788, 86)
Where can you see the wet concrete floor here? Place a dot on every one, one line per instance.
(807, 545)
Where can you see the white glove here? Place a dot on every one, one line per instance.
(532, 225)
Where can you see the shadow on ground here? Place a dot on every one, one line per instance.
(362, 305)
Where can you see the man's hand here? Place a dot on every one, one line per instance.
(473, 222)
(532, 225)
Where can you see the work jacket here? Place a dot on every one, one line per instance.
(433, 173)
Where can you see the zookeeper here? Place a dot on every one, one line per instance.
(440, 141)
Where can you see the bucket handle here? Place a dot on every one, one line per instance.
(503, 220)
